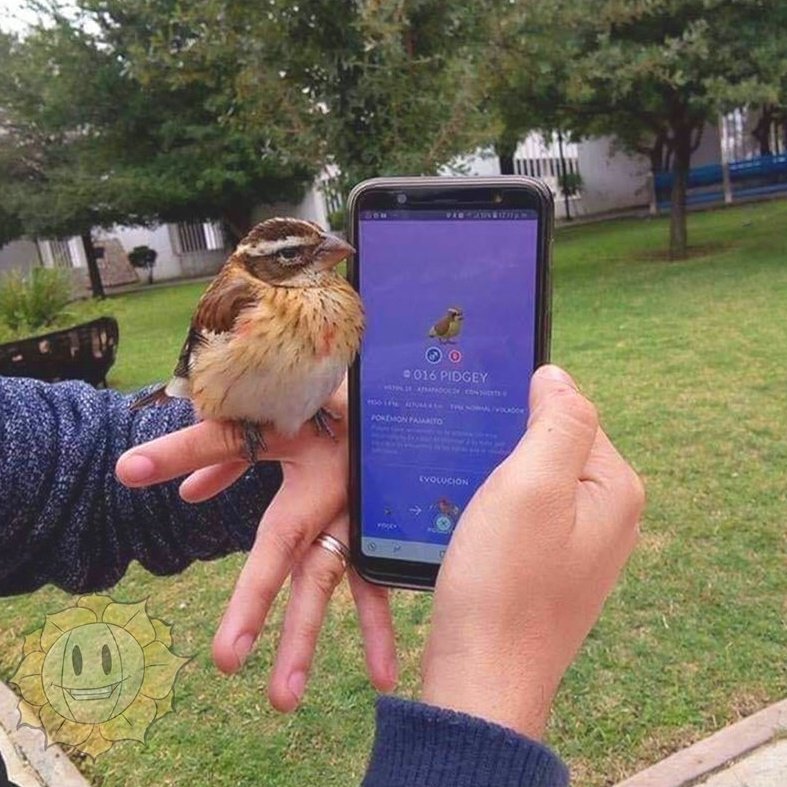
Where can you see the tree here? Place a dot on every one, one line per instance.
(666, 68)
(651, 73)
(372, 87)
(85, 142)
(144, 257)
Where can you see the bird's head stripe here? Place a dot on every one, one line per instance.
(267, 247)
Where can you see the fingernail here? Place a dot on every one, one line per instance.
(137, 469)
(552, 372)
(242, 647)
(296, 683)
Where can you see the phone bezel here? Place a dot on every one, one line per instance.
(505, 191)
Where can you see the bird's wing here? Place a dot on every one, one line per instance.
(216, 312)
(441, 326)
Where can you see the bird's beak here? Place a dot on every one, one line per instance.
(332, 251)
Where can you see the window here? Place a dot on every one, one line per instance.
(59, 253)
(199, 236)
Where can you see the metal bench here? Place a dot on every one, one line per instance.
(84, 352)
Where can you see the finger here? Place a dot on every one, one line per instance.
(202, 445)
(299, 512)
(614, 485)
(561, 430)
(372, 603)
(203, 484)
(314, 579)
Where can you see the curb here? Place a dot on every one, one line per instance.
(49, 763)
(712, 754)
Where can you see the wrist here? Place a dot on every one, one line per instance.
(505, 692)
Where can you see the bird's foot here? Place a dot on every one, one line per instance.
(253, 441)
(322, 422)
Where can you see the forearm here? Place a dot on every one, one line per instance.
(419, 745)
(65, 519)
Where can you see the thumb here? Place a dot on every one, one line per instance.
(561, 429)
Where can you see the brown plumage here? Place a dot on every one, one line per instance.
(446, 328)
(272, 336)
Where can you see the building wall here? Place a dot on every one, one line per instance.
(611, 179)
(158, 238)
(19, 255)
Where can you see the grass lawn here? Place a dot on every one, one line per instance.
(687, 364)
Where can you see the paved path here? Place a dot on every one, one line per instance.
(766, 767)
(749, 753)
(28, 761)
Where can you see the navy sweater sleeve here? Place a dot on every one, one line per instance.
(418, 745)
(65, 519)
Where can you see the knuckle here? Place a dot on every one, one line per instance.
(635, 493)
(582, 411)
(230, 440)
(287, 541)
(326, 574)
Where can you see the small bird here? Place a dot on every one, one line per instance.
(449, 509)
(272, 336)
(448, 327)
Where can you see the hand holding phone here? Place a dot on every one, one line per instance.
(531, 563)
(454, 276)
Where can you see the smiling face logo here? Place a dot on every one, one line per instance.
(97, 673)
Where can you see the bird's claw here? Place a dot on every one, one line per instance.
(322, 419)
(253, 441)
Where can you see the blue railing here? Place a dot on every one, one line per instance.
(748, 178)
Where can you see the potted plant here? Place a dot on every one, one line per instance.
(143, 257)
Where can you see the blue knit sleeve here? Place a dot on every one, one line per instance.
(66, 520)
(418, 745)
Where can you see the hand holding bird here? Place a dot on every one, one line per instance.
(311, 500)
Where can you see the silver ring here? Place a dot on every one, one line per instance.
(334, 546)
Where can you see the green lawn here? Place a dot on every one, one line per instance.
(687, 364)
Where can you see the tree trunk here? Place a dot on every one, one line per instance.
(96, 284)
(237, 222)
(681, 162)
(762, 131)
(150, 274)
(506, 159)
(563, 176)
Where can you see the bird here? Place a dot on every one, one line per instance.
(448, 508)
(448, 327)
(272, 336)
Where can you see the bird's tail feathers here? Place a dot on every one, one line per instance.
(157, 396)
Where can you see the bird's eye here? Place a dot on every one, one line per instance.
(289, 254)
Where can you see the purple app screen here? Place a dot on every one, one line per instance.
(445, 366)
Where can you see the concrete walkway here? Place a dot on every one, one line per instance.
(750, 753)
(28, 761)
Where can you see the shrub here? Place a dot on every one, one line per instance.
(143, 257)
(570, 183)
(30, 302)
(336, 219)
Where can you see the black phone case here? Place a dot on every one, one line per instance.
(406, 574)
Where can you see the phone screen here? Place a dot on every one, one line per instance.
(445, 366)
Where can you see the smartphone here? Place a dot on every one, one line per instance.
(454, 276)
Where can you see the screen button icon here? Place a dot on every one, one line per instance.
(434, 354)
(443, 523)
(455, 356)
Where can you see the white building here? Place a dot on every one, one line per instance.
(611, 180)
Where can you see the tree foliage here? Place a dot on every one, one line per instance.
(652, 73)
(85, 142)
(373, 87)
